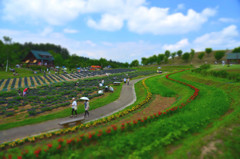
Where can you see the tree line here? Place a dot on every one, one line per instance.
(187, 56)
(15, 52)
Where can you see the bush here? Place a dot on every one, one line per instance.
(205, 66)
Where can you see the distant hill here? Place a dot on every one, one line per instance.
(210, 59)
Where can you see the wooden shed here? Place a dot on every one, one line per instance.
(39, 58)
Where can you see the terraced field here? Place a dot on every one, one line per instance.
(197, 117)
(34, 81)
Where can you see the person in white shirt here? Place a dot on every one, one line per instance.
(86, 106)
(74, 107)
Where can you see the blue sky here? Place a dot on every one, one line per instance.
(123, 30)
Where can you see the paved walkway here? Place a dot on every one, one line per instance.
(127, 97)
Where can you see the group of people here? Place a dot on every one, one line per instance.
(74, 108)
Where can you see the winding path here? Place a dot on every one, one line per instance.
(127, 97)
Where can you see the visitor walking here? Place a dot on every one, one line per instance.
(25, 91)
(103, 82)
(86, 106)
(128, 80)
(124, 80)
(74, 107)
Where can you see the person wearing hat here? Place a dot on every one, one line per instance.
(74, 107)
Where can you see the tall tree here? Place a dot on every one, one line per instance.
(192, 53)
(219, 55)
(186, 56)
(179, 52)
(167, 53)
(173, 55)
(144, 61)
(200, 55)
(208, 51)
(160, 58)
(134, 63)
(236, 50)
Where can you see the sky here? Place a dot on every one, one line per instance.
(123, 30)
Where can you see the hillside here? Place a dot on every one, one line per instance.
(210, 59)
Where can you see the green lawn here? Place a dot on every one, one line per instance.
(233, 68)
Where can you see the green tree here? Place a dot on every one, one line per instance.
(152, 59)
(167, 53)
(160, 58)
(179, 52)
(200, 55)
(134, 63)
(219, 54)
(165, 59)
(236, 50)
(144, 61)
(173, 55)
(103, 62)
(192, 53)
(208, 51)
(186, 56)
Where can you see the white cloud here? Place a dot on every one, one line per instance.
(107, 22)
(70, 31)
(178, 46)
(54, 12)
(227, 20)
(159, 21)
(138, 16)
(222, 39)
(226, 38)
(46, 31)
(90, 43)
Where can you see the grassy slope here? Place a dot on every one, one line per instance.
(210, 59)
(225, 131)
(150, 142)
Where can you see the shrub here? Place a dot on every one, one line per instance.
(205, 66)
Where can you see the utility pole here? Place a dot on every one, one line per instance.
(7, 41)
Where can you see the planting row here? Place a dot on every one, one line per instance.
(16, 83)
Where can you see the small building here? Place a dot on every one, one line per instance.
(233, 58)
(39, 58)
